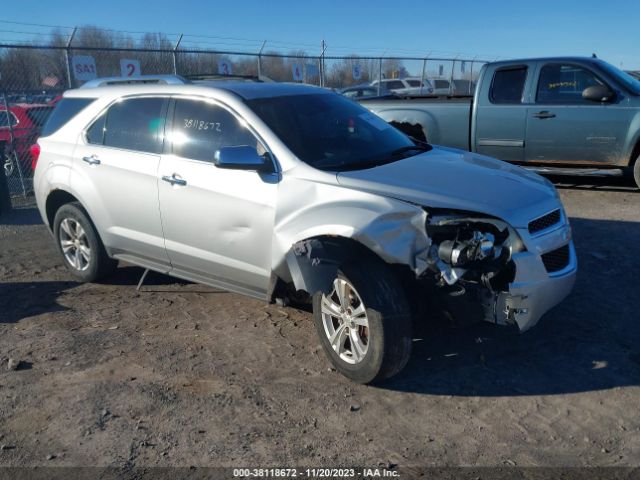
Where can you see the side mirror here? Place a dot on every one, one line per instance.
(242, 157)
(598, 93)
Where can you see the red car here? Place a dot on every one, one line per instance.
(19, 129)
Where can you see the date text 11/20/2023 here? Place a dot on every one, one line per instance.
(315, 473)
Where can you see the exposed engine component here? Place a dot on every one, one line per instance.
(475, 250)
(459, 253)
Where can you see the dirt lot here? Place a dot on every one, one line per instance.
(181, 374)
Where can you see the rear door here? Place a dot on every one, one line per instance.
(501, 113)
(115, 171)
(562, 127)
(218, 223)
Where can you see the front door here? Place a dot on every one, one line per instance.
(562, 127)
(218, 223)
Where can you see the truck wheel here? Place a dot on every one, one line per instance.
(79, 244)
(364, 323)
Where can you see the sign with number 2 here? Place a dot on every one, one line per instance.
(130, 68)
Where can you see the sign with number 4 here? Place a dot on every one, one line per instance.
(224, 67)
(130, 68)
(296, 70)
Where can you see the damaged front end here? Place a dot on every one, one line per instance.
(481, 268)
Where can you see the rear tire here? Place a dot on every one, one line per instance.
(373, 297)
(79, 245)
(636, 172)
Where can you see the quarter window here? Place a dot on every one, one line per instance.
(564, 84)
(132, 124)
(200, 129)
(508, 85)
(95, 133)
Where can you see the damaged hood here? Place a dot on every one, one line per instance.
(454, 179)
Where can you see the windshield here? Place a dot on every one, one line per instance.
(624, 78)
(331, 132)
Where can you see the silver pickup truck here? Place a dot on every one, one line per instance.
(554, 115)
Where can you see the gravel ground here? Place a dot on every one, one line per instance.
(180, 374)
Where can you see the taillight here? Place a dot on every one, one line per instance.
(35, 154)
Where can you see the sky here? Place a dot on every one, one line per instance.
(487, 29)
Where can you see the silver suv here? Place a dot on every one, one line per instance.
(281, 191)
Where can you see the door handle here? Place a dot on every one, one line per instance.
(544, 114)
(174, 180)
(91, 160)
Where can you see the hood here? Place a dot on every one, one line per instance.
(454, 179)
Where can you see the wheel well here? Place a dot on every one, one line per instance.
(55, 200)
(635, 154)
(313, 262)
(414, 130)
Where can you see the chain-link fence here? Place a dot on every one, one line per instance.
(33, 77)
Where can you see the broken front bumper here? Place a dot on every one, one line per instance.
(533, 292)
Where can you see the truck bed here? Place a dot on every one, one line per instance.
(440, 120)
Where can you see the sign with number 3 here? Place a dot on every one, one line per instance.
(130, 68)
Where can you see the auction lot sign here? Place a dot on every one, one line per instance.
(84, 67)
(130, 67)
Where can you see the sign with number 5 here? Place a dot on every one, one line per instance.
(130, 68)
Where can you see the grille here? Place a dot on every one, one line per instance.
(556, 260)
(544, 221)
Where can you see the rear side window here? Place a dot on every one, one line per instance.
(199, 129)
(134, 124)
(394, 84)
(65, 110)
(508, 85)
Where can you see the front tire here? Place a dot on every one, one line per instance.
(79, 244)
(636, 172)
(364, 323)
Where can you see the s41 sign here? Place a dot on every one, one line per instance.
(84, 67)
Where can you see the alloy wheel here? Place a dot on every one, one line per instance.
(345, 321)
(75, 244)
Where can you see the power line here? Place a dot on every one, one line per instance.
(248, 42)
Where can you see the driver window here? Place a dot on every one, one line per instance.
(200, 128)
(564, 84)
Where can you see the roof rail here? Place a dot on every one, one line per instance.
(203, 77)
(142, 79)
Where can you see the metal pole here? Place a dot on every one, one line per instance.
(68, 58)
(379, 75)
(260, 59)
(175, 55)
(424, 67)
(323, 48)
(453, 66)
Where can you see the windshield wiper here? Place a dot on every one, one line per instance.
(409, 148)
